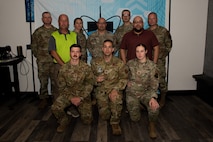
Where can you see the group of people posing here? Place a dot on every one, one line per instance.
(134, 76)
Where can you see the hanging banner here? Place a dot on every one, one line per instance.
(29, 8)
(91, 10)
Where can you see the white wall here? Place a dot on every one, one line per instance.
(15, 31)
(188, 29)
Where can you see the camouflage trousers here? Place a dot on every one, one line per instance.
(108, 109)
(162, 76)
(85, 110)
(56, 68)
(134, 107)
(45, 72)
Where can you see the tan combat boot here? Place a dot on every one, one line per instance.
(152, 131)
(116, 129)
(61, 128)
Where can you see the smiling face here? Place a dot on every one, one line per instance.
(63, 22)
(78, 25)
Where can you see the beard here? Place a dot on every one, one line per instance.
(138, 30)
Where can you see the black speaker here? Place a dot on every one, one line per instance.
(19, 51)
(5, 53)
(92, 26)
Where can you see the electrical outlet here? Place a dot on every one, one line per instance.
(28, 46)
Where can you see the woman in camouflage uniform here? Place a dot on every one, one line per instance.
(142, 88)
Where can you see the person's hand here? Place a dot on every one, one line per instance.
(76, 101)
(113, 95)
(153, 104)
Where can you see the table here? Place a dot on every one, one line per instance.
(204, 87)
(13, 62)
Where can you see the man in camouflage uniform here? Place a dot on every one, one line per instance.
(81, 38)
(165, 44)
(126, 27)
(111, 76)
(96, 39)
(75, 85)
(142, 88)
(95, 42)
(39, 48)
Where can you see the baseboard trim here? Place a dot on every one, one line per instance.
(202, 95)
(19, 95)
(29, 93)
(182, 92)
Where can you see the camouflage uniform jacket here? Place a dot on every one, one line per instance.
(95, 43)
(40, 41)
(81, 40)
(120, 32)
(143, 78)
(115, 72)
(75, 80)
(164, 39)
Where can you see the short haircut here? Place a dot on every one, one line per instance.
(75, 45)
(45, 12)
(154, 14)
(108, 40)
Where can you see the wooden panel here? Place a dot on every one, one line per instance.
(27, 131)
(81, 132)
(183, 119)
(102, 131)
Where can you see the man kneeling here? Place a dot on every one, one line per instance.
(111, 76)
(75, 85)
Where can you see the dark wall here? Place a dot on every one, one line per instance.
(208, 60)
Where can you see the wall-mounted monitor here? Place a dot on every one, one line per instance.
(91, 26)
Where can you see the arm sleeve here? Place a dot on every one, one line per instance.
(82, 43)
(34, 45)
(123, 42)
(61, 81)
(52, 45)
(168, 41)
(89, 46)
(154, 82)
(94, 72)
(123, 77)
(88, 83)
